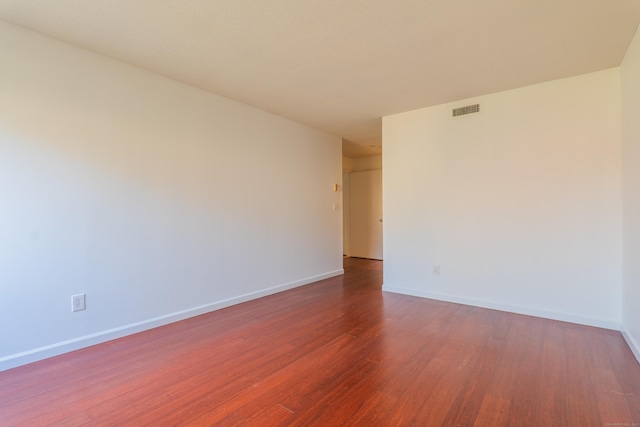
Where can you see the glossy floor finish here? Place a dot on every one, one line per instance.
(338, 352)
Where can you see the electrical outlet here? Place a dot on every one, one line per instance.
(78, 302)
(436, 270)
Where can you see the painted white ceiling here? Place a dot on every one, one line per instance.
(340, 65)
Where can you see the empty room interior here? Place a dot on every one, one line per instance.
(303, 213)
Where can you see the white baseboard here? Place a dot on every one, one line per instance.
(633, 344)
(56, 349)
(529, 311)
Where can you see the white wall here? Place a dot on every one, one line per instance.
(519, 204)
(630, 84)
(361, 163)
(367, 163)
(158, 200)
(347, 164)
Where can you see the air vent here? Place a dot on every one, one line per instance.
(466, 110)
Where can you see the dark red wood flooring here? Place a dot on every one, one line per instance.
(337, 352)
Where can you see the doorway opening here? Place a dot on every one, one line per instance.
(362, 207)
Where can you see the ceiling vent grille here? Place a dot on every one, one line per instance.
(466, 110)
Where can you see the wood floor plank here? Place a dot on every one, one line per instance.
(553, 385)
(337, 352)
(581, 392)
(493, 412)
(612, 403)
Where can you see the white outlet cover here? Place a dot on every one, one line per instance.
(78, 302)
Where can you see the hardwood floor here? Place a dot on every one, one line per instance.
(338, 352)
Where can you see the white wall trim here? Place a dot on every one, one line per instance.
(633, 345)
(529, 311)
(29, 356)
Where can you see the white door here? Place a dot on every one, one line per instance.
(346, 214)
(366, 214)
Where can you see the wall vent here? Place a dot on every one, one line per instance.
(466, 110)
